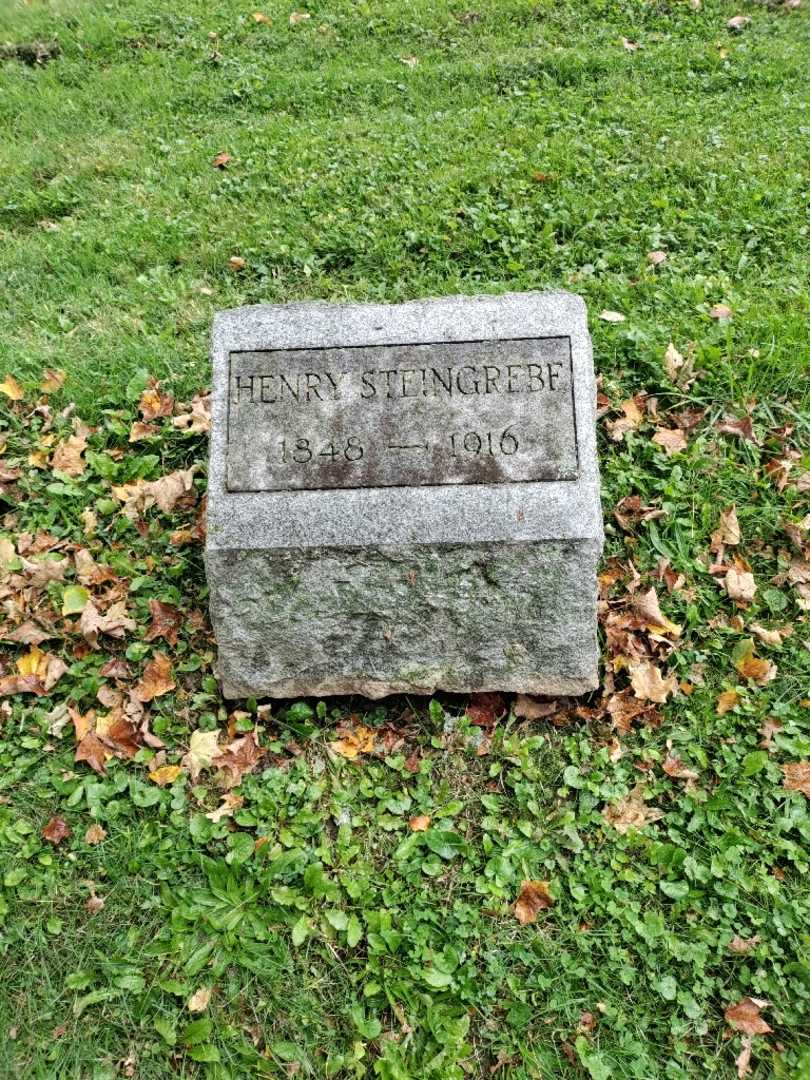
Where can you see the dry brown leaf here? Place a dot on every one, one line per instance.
(727, 533)
(529, 708)
(751, 666)
(27, 633)
(672, 440)
(533, 898)
(52, 381)
(92, 750)
(140, 431)
(744, 1016)
(767, 637)
(237, 759)
(260, 17)
(647, 607)
(95, 834)
(236, 262)
(740, 585)
(198, 1002)
(166, 622)
(115, 622)
(726, 701)
(770, 727)
(420, 823)
(229, 805)
(631, 46)
(656, 258)
(353, 742)
(631, 812)
(743, 1059)
(738, 22)
(154, 403)
(485, 709)
(721, 311)
(298, 17)
(649, 684)
(197, 419)
(743, 428)
(94, 905)
(67, 456)
(56, 830)
(743, 945)
(674, 766)
(797, 777)
(612, 316)
(164, 493)
(156, 680)
(633, 416)
(222, 159)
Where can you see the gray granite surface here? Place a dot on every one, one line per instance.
(460, 576)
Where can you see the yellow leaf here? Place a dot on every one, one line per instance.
(355, 741)
(33, 663)
(165, 775)
(420, 823)
(11, 388)
(726, 702)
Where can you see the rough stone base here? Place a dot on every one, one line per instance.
(386, 620)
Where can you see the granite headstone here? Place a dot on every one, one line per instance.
(404, 498)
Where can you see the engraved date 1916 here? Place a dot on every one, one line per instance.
(301, 451)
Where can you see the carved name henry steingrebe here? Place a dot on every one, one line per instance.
(393, 415)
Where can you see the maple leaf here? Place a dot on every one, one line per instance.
(353, 742)
(45, 667)
(672, 440)
(631, 46)
(238, 758)
(419, 823)
(154, 403)
(197, 420)
(727, 533)
(770, 727)
(165, 775)
(95, 834)
(56, 830)
(92, 750)
(485, 710)
(166, 622)
(116, 668)
(202, 749)
(156, 679)
(533, 898)
(647, 607)
(67, 455)
(797, 777)
(649, 684)
(633, 416)
(631, 812)
(744, 1016)
(164, 492)
(11, 388)
(115, 622)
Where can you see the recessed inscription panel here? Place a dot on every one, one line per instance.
(477, 412)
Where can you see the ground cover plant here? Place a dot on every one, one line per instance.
(502, 887)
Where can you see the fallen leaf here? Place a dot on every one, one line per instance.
(727, 533)
(154, 403)
(166, 622)
(740, 585)
(743, 1059)
(529, 708)
(198, 1002)
(649, 684)
(95, 834)
(721, 311)
(656, 257)
(156, 679)
(298, 17)
(420, 823)
(260, 17)
(165, 775)
(751, 666)
(744, 1016)
(67, 456)
(237, 759)
(56, 830)
(631, 812)
(230, 803)
(743, 945)
(743, 428)
(673, 766)
(354, 741)
(116, 668)
(647, 607)
(533, 898)
(797, 777)
(197, 419)
(631, 419)
(115, 622)
(738, 22)
(92, 750)
(486, 709)
(74, 600)
(140, 431)
(52, 381)
(221, 160)
(94, 905)
(21, 684)
(236, 262)
(202, 749)
(631, 46)
(612, 316)
(770, 727)
(409, 61)
(673, 440)
(11, 388)
(726, 702)
(767, 637)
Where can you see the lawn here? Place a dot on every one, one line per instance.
(196, 888)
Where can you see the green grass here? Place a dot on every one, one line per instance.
(346, 945)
